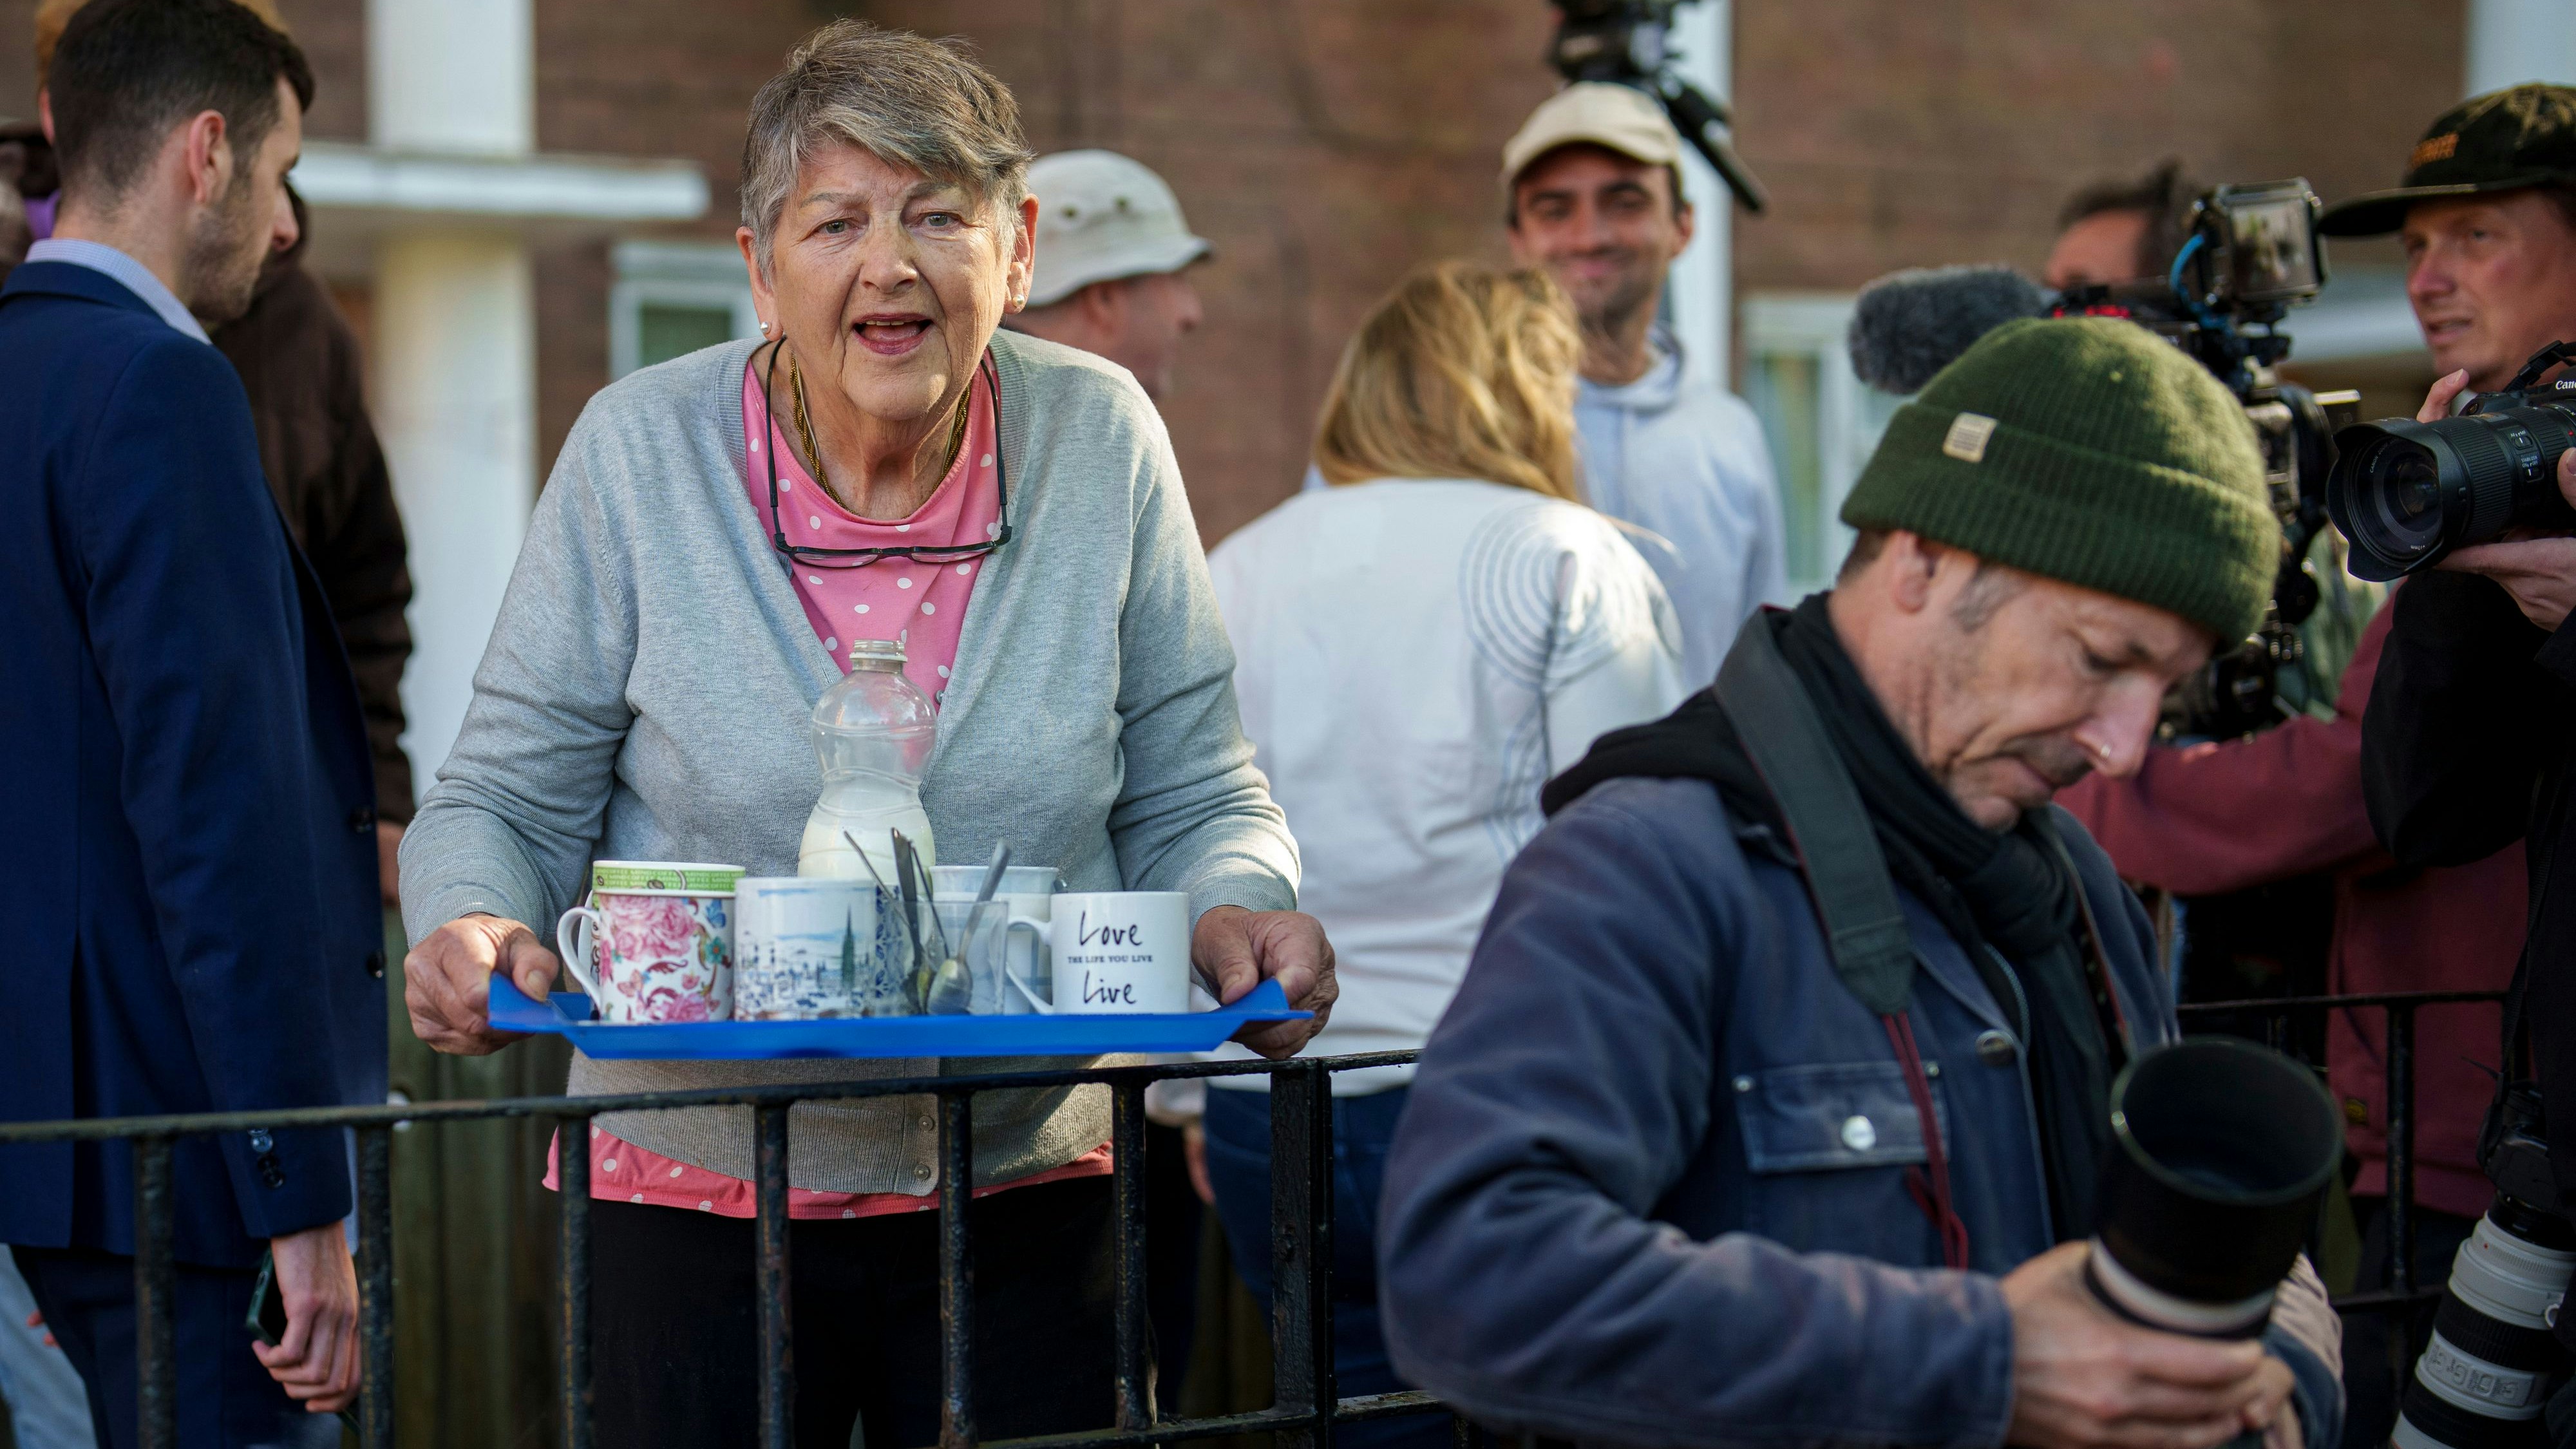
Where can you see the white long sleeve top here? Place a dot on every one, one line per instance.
(1413, 660)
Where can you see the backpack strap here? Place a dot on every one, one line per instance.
(1829, 828)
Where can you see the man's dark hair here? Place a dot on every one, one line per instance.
(2163, 196)
(128, 70)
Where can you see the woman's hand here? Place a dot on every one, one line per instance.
(447, 981)
(1236, 950)
(2540, 573)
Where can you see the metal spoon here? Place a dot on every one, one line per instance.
(917, 876)
(952, 988)
(992, 882)
(944, 986)
(920, 977)
(863, 860)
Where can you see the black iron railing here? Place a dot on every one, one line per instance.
(2399, 1288)
(1305, 1405)
(1304, 1408)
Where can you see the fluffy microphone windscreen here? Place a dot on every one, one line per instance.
(1909, 325)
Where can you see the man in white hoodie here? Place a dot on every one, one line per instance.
(1594, 185)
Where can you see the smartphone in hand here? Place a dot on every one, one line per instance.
(266, 1321)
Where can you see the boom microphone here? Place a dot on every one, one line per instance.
(1909, 325)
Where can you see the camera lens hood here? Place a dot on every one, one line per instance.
(2393, 537)
(2407, 493)
(2221, 1151)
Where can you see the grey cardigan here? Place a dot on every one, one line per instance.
(645, 692)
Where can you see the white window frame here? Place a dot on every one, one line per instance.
(685, 274)
(1813, 325)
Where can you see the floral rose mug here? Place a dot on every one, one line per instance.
(654, 954)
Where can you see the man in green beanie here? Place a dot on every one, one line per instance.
(1774, 1102)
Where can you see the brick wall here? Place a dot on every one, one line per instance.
(639, 78)
(331, 32)
(1328, 145)
(1896, 133)
(1324, 146)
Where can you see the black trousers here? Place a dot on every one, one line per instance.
(675, 1349)
(225, 1398)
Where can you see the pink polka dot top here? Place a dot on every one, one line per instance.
(921, 604)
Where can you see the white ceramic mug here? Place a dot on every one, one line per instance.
(807, 947)
(660, 955)
(1117, 951)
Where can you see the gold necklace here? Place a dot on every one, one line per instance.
(805, 428)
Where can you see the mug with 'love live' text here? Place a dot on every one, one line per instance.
(1117, 951)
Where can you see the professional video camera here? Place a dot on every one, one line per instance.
(2407, 493)
(2495, 1359)
(1623, 42)
(2250, 254)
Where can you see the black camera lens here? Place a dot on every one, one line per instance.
(2405, 499)
(2406, 493)
(2222, 1149)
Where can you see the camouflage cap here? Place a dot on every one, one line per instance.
(2502, 141)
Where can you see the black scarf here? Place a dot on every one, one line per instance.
(2013, 891)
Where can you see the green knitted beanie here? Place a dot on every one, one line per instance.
(2091, 451)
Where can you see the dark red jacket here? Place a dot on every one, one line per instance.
(2212, 818)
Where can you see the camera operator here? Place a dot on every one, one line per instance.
(2472, 716)
(1680, 1167)
(1593, 179)
(2119, 231)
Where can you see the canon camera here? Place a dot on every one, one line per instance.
(2408, 493)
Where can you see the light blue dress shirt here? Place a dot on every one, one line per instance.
(126, 272)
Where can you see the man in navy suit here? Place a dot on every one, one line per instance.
(188, 872)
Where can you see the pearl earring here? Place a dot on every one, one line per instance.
(764, 329)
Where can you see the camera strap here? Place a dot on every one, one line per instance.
(1829, 828)
(1847, 880)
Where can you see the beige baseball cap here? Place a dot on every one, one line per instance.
(1622, 118)
(1102, 216)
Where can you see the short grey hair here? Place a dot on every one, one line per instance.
(914, 102)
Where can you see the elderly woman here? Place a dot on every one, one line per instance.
(717, 531)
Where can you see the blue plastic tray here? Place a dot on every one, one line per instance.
(568, 1014)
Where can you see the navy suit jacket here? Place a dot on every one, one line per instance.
(187, 843)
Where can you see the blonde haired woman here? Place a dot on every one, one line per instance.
(1417, 648)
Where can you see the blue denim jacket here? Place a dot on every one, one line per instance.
(1651, 1187)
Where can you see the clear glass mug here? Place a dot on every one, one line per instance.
(1011, 937)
